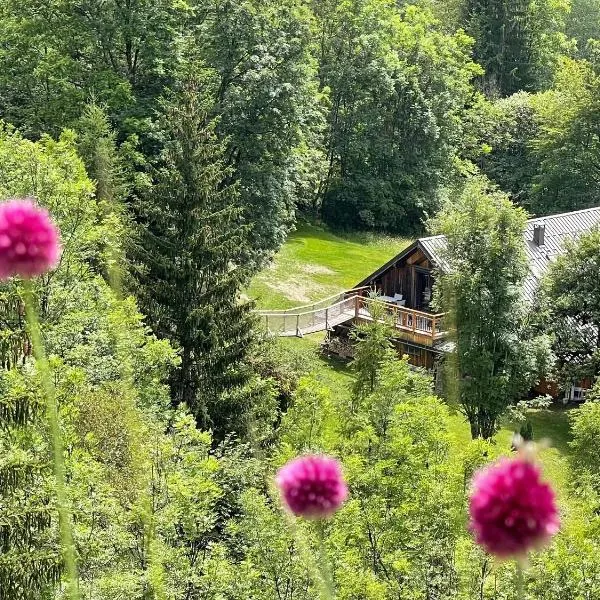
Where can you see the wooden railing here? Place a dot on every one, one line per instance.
(348, 306)
(315, 306)
(284, 323)
(404, 319)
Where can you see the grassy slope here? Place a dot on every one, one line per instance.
(315, 263)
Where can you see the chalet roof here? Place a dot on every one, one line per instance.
(558, 228)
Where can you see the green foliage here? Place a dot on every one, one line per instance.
(398, 87)
(191, 262)
(567, 147)
(512, 127)
(541, 148)
(372, 350)
(215, 121)
(585, 424)
(517, 42)
(127, 56)
(583, 24)
(99, 350)
(269, 109)
(396, 535)
(526, 431)
(30, 559)
(497, 356)
(572, 303)
(54, 59)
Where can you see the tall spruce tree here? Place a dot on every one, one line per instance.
(503, 45)
(30, 561)
(190, 255)
(516, 41)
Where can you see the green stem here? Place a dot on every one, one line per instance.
(324, 568)
(64, 515)
(520, 582)
(317, 568)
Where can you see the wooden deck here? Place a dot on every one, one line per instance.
(412, 325)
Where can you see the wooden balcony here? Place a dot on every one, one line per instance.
(411, 325)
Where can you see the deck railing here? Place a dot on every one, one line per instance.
(285, 323)
(315, 306)
(405, 319)
(328, 313)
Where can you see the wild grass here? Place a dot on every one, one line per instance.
(315, 263)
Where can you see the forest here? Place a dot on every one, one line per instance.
(164, 165)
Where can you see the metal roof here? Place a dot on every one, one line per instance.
(558, 229)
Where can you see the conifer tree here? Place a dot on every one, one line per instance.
(517, 42)
(190, 254)
(30, 562)
(503, 43)
(97, 146)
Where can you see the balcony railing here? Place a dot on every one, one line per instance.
(353, 306)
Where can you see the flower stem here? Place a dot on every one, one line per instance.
(520, 582)
(317, 567)
(324, 568)
(64, 515)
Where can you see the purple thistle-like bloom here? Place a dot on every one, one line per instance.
(29, 240)
(512, 510)
(312, 486)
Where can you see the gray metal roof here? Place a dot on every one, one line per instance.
(558, 228)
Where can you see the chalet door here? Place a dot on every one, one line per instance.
(423, 287)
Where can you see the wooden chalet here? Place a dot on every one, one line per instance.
(405, 284)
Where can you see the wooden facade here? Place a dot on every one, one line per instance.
(418, 330)
(338, 343)
(411, 274)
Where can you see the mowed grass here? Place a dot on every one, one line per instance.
(315, 263)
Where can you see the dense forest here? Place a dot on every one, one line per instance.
(144, 411)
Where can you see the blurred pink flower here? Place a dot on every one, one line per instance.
(29, 240)
(512, 510)
(312, 486)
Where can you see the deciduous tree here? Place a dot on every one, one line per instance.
(496, 356)
(572, 303)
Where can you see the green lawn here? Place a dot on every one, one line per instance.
(315, 263)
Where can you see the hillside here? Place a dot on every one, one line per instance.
(315, 263)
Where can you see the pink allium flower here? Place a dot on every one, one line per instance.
(512, 510)
(312, 486)
(29, 243)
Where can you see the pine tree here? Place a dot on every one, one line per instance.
(503, 43)
(190, 255)
(30, 562)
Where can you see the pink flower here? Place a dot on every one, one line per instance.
(511, 509)
(29, 240)
(312, 486)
